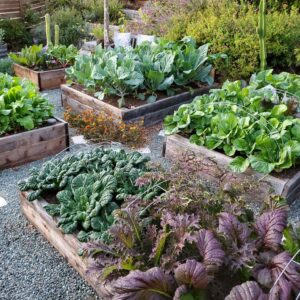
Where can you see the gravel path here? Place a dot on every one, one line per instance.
(30, 268)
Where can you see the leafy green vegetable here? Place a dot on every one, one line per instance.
(36, 57)
(30, 56)
(89, 187)
(21, 106)
(142, 71)
(61, 55)
(242, 121)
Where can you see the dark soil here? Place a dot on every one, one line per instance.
(131, 101)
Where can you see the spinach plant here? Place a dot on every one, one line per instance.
(89, 186)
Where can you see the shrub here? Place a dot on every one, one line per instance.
(231, 29)
(103, 127)
(71, 25)
(16, 35)
(6, 66)
(94, 10)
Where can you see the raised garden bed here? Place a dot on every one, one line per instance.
(215, 169)
(27, 146)
(50, 79)
(152, 113)
(66, 244)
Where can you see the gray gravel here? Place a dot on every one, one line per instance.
(30, 268)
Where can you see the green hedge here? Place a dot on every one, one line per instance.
(231, 29)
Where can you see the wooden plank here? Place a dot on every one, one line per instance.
(74, 105)
(66, 244)
(164, 103)
(27, 138)
(32, 145)
(24, 72)
(50, 79)
(152, 113)
(87, 100)
(27, 154)
(177, 145)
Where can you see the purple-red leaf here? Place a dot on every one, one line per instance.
(180, 228)
(210, 249)
(271, 268)
(153, 284)
(270, 226)
(234, 230)
(193, 274)
(249, 290)
(180, 291)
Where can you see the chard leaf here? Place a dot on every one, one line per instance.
(152, 284)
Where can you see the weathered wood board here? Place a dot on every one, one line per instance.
(66, 244)
(151, 113)
(27, 146)
(215, 169)
(44, 80)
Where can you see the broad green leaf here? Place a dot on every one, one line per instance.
(239, 164)
(279, 110)
(260, 165)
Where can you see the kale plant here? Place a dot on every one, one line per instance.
(143, 71)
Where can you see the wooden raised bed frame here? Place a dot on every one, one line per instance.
(44, 80)
(151, 113)
(215, 169)
(66, 244)
(27, 146)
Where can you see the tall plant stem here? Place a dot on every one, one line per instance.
(106, 23)
(262, 35)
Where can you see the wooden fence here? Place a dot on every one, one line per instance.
(14, 9)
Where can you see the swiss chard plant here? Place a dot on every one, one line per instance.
(89, 186)
(169, 249)
(143, 71)
(30, 57)
(21, 106)
(38, 58)
(241, 122)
